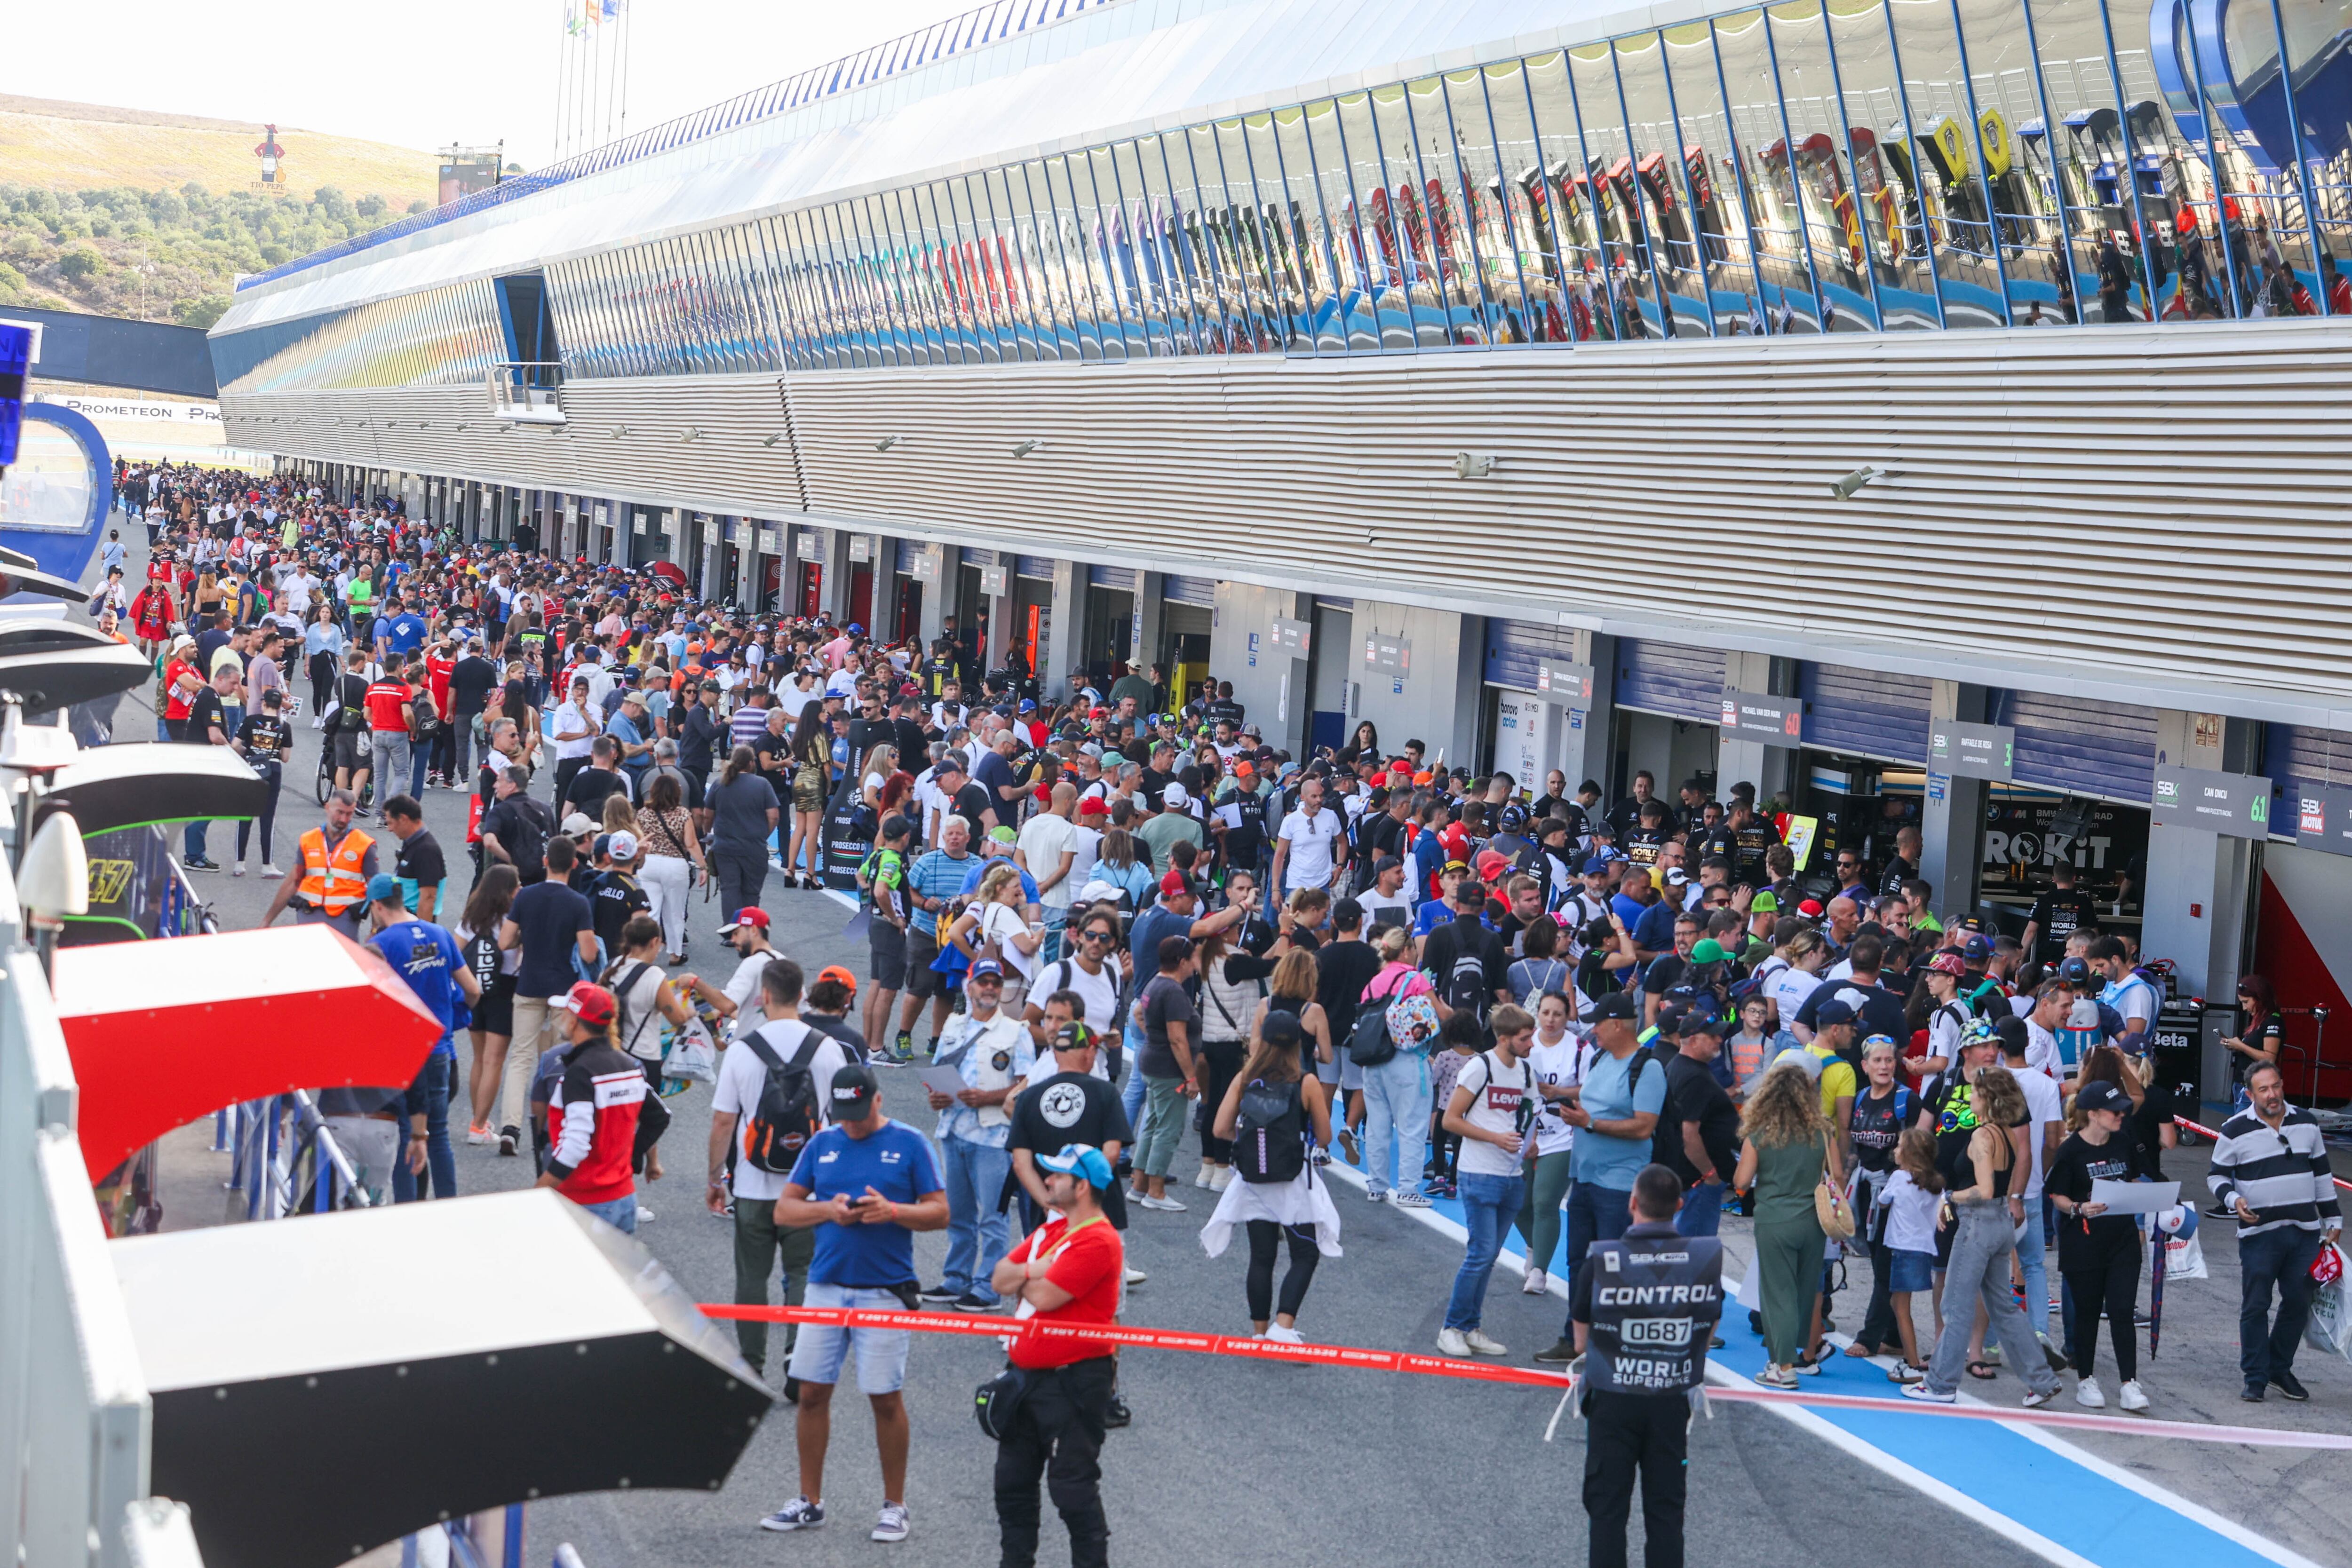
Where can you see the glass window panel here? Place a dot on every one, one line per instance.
(1120, 169)
(1302, 134)
(1092, 317)
(1045, 222)
(2254, 151)
(785, 283)
(1398, 207)
(873, 296)
(1002, 250)
(2006, 93)
(1590, 288)
(1437, 189)
(1486, 223)
(2319, 51)
(1609, 170)
(817, 286)
(1717, 177)
(1892, 235)
(980, 267)
(1040, 266)
(1936, 159)
(2082, 163)
(1165, 268)
(943, 277)
(1382, 315)
(885, 217)
(1116, 242)
(914, 260)
(1193, 171)
(1808, 169)
(1277, 241)
(848, 310)
(1661, 183)
(1228, 195)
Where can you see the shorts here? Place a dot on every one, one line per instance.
(887, 945)
(820, 1351)
(922, 981)
(1351, 1077)
(1911, 1271)
(494, 1014)
(351, 750)
(1328, 1072)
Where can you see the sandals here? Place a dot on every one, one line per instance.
(1981, 1371)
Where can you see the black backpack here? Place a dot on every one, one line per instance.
(1466, 986)
(1371, 1045)
(1270, 1133)
(789, 1112)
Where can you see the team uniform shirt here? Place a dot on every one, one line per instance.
(1087, 1261)
(385, 701)
(591, 1122)
(426, 957)
(896, 1161)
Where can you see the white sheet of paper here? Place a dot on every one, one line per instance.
(943, 1081)
(2135, 1197)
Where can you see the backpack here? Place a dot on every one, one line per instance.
(1270, 1133)
(427, 716)
(789, 1113)
(1466, 987)
(351, 712)
(1413, 1021)
(534, 825)
(1372, 1044)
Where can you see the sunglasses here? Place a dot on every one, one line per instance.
(1094, 936)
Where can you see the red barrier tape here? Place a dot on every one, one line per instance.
(1252, 1349)
(2204, 1132)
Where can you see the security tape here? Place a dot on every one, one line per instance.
(2204, 1132)
(1367, 1359)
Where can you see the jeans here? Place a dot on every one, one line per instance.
(759, 1240)
(388, 763)
(1396, 1112)
(432, 1087)
(1489, 1204)
(1595, 1212)
(272, 775)
(2035, 1265)
(1057, 916)
(620, 1213)
(420, 761)
(1984, 1239)
(2280, 1258)
(976, 1238)
(192, 842)
(1163, 1125)
(1701, 1213)
(1057, 1429)
(1130, 1094)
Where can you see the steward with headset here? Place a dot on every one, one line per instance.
(1644, 1307)
(1046, 1410)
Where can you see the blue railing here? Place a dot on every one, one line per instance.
(999, 19)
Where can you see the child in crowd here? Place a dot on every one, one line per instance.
(1461, 1038)
(1907, 1213)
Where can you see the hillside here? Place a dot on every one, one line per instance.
(97, 202)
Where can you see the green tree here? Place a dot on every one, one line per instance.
(201, 313)
(80, 264)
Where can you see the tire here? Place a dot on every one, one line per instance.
(326, 781)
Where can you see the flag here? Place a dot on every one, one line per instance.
(611, 10)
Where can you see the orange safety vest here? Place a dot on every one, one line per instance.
(334, 882)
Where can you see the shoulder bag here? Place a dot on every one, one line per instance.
(1832, 1207)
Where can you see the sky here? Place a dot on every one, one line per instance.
(425, 73)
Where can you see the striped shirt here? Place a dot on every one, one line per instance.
(937, 874)
(747, 726)
(2280, 1173)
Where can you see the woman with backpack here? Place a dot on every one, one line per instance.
(495, 970)
(1291, 989)
(1233, 984)
(1396, 1092)
(1540, 971)
(1275, 1115)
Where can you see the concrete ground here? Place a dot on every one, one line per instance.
(1227, 1459)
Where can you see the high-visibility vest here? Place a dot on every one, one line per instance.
(333, 880)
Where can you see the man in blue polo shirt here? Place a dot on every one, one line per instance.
(426, 957)
(1615, 1112)
(402, 631)
(867, 1183)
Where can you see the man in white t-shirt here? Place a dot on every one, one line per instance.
(1048, 850)
(1386, 902)
(1091, 970)
(2047, 1110)
(747, 933)
(743, 1079)
(577, 725)
(1491, 1110)
(1310, 847)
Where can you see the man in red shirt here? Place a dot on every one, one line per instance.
(1068, 1271)
(593, 1110)
(440, 663)
(391, 712)
(182, 682)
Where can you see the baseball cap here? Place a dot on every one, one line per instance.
(1947, 963)
(1174, 795)
(1386, 863)
(1003, 835)
(591, 1004)
(1245, 768)
(1079, 1160)
(1281, 1030)
(601, 847)
(1707, 950)
(750, 916)
(2076, 971)
(1977, 950)
(2101, 1095)
(1833, 1012)
(1676, 876)
(1174, 883)
(382, 887)
(1683, 1020)
(1456, 865)
(984, 966)
(1492, 864)
(1764, 903)
(1807, 1062)
(1074, 1035)
(1811, 907)
(836, 972)
(576, 824)
(625, 845)
(1615, 1005)
(1093, 806)
(1594, 866)
(852, 1096)
(1514, 818)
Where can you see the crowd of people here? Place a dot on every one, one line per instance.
(1109, 916)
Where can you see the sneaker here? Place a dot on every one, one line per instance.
(1281, 1335)
(1777, 1377)
(1162, 1205)
(1224, 1180)
(938, 1295)
(1376, 1195)
(891, 1523)
(1347, 1144)
(1536, 1283)
(2055, 1357)
(507, 1137)
(1479, 1341)
(1207, 1178)
(645, 1215)
(1451, 1342)
(1405, 1197)
(1136, 1276)
(2088, 1395)
(2252, 1394)
(236, 868)
(199, 864)
(2133, 1396)
(973, 1301)
(2221, 1211)
(902, 1048)
(1562, 1352)
(798, 1514)
(268, 870)
(1117, 1414)
(1928, 1396)
(2034, 1400)
(2286, 1383)
(477, 1134)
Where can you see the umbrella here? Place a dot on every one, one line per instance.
(163, 1032)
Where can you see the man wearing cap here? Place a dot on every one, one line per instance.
(575, 735)
(936, 879)
(1615, 1110)
(553, 926)
(864, 1185)
(1698, 1126)
(631, 731)
(600, 1112)
(615, 895)
(426, 956)
(992, 1051)
(1068, 1271)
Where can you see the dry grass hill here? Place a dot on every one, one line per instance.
(77, 146)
